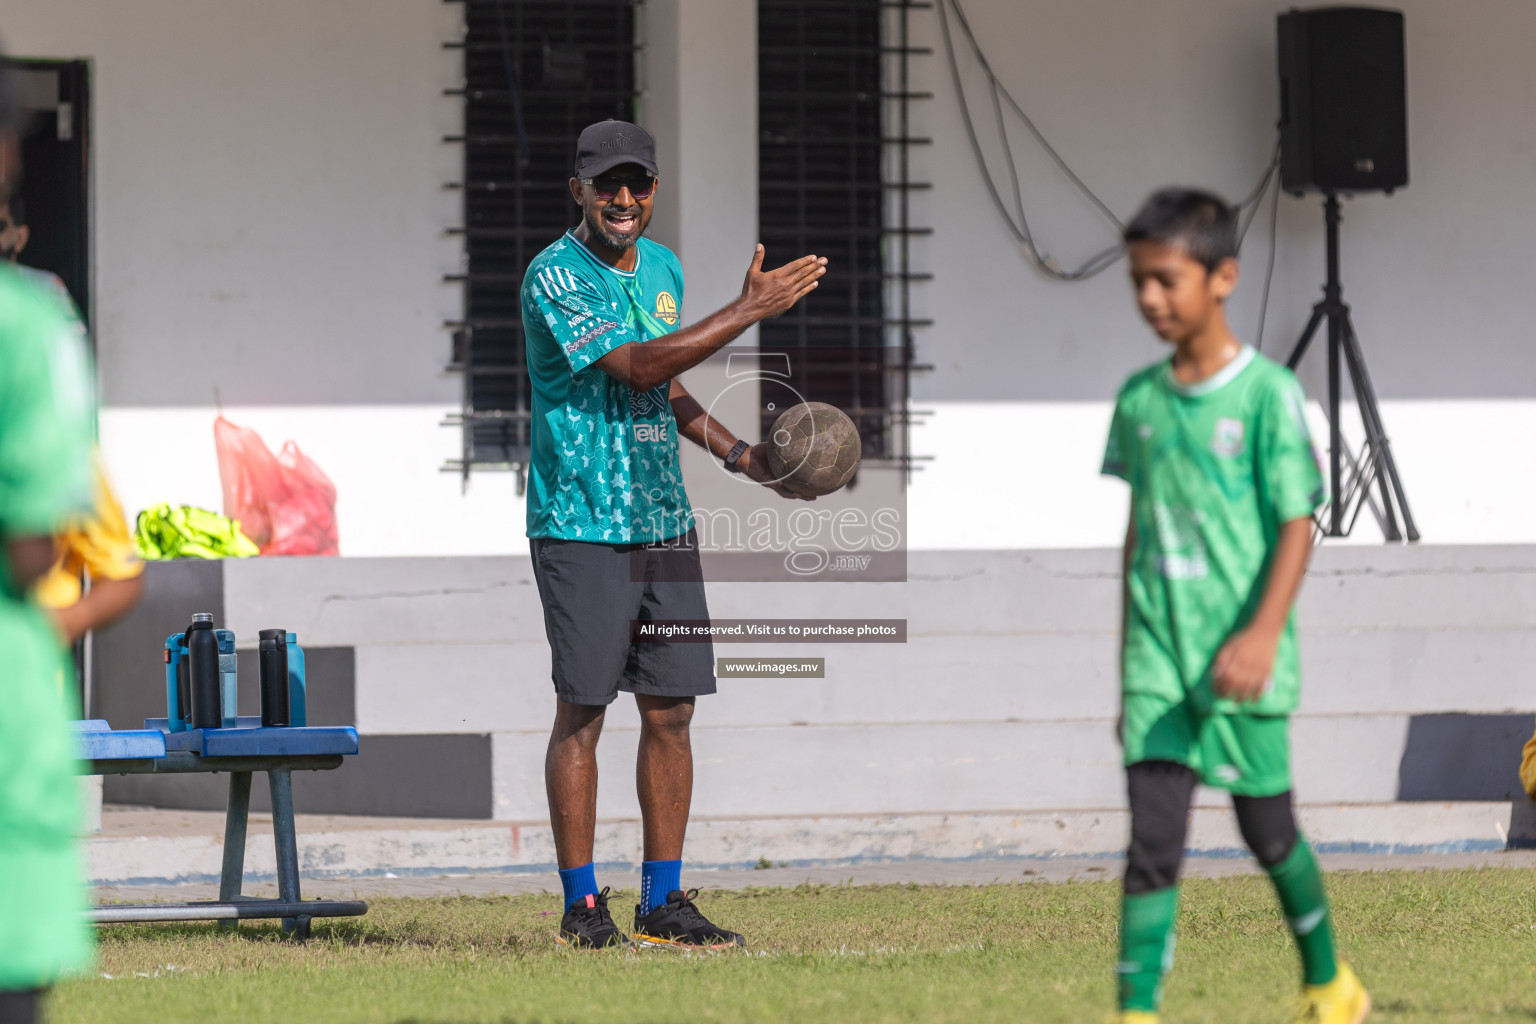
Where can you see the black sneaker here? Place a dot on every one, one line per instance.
(588, 925)
(678, 922)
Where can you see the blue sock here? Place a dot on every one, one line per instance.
(578, 882)
(657, 878)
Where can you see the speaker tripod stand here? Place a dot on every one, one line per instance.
(1375, 464)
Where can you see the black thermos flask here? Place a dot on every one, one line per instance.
(203, 668)
(273, 652)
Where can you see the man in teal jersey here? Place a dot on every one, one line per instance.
(609, 525)
(45, 478)
(1214, 444)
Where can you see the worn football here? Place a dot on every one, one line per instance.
(814, 448)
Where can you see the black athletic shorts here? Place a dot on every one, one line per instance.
(591, 592)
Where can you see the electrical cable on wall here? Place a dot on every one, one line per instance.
(1269, 270)
(1016, 218)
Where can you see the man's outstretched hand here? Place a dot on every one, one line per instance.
(771, 293)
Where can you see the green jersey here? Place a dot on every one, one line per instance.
(1215, 468)
(605, 463)
(45, 477)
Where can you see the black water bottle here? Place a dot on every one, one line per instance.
(203, 655)
(273, 652)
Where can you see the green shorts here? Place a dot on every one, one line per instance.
(1248, 755)
(43, 931)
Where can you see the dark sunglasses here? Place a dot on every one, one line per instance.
(607, 188)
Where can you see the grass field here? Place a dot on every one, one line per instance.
(1446, 946)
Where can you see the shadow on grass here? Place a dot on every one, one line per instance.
(1404, 1008)
(248, 931)
(351, 932)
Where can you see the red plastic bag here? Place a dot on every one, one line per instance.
(285, 503)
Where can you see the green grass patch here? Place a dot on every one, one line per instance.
(1445, 946)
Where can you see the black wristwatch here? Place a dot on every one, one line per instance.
(733, 457)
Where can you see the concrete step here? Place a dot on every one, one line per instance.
(156, 847)
(905, 872)
(805, 770)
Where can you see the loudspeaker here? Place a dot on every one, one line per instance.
(1343, 100)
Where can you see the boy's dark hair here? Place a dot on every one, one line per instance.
(17, 207)
(1200, 222)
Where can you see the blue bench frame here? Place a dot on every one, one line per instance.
(246, 748)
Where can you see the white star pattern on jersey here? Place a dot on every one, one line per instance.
(609, 469)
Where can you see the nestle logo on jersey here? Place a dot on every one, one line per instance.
(650, 431)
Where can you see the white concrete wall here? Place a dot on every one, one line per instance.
(269, 202)
(1002, 700)
(1470, 476)
(391, 496)
(269, 230)
(269, 219)
(1139, 95)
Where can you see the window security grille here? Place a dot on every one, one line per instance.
(834, 180)
(535, 73)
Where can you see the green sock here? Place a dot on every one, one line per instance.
(1299, 884)
(1146, 946)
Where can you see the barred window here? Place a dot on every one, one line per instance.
(536, 72)
(833, 180)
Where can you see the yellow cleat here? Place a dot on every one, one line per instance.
(1342, 1001)
(1133, 1017)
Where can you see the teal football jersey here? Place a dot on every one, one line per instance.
(605, 464)
(1215, 468)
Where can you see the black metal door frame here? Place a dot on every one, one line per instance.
(56, 178)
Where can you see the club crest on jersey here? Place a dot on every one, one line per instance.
(650, 431)
(666, 308)
(1228, 439)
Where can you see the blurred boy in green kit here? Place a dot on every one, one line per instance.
(45, 479)
(1224, 482)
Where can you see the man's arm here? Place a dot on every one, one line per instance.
(28, 559)
(1242, 667)
(698, 426)
(643, 366)
(107, 601)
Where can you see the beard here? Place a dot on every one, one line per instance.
(595, 225)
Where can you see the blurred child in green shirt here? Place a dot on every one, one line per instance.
(45, 479)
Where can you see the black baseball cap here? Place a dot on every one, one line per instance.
(607, 144)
